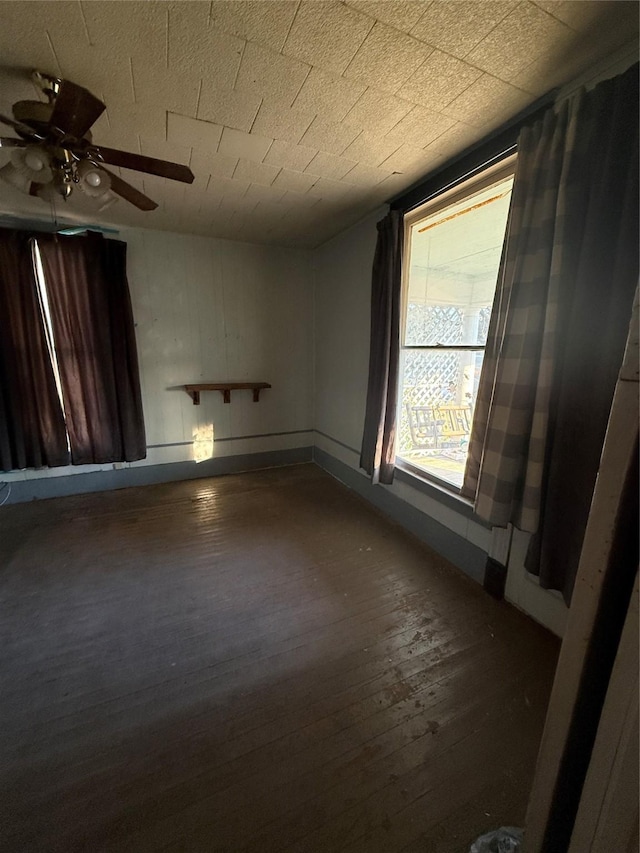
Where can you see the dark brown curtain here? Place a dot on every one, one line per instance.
(378, 441)
(95, 342)
(32, 429)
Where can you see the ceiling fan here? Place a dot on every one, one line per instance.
(55, 151)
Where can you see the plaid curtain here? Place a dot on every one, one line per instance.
(506, 450)
(559, 324)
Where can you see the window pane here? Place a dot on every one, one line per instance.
(438, 397)
(453, 267)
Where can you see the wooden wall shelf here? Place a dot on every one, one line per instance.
(225, 389)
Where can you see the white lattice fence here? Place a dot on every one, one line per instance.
(429, 379)
(432, 378)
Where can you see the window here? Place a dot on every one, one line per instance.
(453, 245)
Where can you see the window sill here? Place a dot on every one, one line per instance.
(439, 491)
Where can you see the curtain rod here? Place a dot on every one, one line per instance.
(48, 227)
(492, 148)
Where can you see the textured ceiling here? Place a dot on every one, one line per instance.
(297, 118)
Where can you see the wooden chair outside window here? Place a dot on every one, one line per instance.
(433, 427)
(424, 428)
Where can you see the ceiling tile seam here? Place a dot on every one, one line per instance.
(471, 49)
(432, 50)
(360, 97)
(197, 103)
(364, 14)
(255, 118)
(352, 10)
(421, 18)
(293, 20)
(413, 109)
(501, 80)
(300, 89)
(551, 15)
(131, 80)
(441, 111)
(307, 129)
(487, 34)
(273, 142)
(451, 56)
(209, 15)
(366, 36)
(84, 24)
(386, 159)
(53, 51)
(235, 79)
(411, 105)
(358, 135)
(424, 62)
(407, 35)
(429, 146)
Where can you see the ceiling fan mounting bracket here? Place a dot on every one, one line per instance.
(50, 85)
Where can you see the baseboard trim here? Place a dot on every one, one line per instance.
(453, 547)
(147, 475)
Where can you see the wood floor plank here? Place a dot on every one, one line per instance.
(259, 662)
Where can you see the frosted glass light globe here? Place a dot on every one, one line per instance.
(33, 163)
(93, 181)
(35, 159)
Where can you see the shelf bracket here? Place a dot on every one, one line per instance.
(225, 388)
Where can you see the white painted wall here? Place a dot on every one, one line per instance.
(215, 310)
(342, 316)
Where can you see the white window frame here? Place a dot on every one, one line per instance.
(484, 179)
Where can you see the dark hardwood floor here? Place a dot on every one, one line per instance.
(257, 662)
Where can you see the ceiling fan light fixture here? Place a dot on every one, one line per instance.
(62, 127)
(15, 178)
(34, 163)
(93, 180)
(52, 192)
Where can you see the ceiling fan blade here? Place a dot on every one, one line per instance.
(129, 193)
(22, 129)
(128, 160)
(74, 110)
(6, 142)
